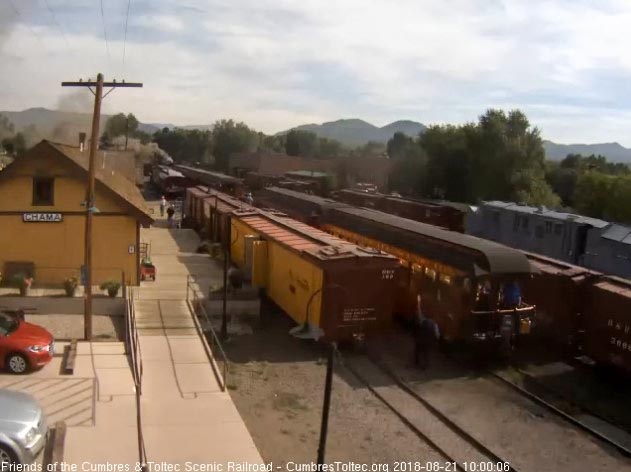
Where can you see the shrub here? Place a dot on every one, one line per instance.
(112, 287)
(70, 285)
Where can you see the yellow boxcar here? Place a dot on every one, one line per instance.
(336, 288)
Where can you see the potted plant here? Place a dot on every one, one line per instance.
(70, 286)
(112, 287)
(23, 282)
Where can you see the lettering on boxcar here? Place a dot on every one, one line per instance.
(618, 326)
(621, 343)
(359, 314)
(387, 274)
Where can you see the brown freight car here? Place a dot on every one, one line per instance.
(423, 211)
(193, 204)
(560, 294)
(607, 322)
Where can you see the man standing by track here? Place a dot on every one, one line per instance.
(426, 335)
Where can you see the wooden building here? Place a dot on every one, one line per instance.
(42, 217)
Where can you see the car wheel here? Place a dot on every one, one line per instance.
(7, 457)
(17, 363)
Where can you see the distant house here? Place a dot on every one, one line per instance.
(580, 240)
(42, 216)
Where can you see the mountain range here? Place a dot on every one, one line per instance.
(65, 126)
(355, 132)
(612, 151)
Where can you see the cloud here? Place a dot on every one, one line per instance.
(160, 22)
(565, 63)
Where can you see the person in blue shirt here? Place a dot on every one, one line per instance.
(512, 295)
(426, 336)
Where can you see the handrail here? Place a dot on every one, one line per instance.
(504, 310)
(132, 347)
(215, 344)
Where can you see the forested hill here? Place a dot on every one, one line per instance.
(46, 123)
(614, 152)
(355, 132)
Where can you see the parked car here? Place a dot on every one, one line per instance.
(23, 346)
(23, 428)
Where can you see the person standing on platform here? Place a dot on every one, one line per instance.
(170, 213)
(163, 205)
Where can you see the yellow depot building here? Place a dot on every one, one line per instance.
(42, 217)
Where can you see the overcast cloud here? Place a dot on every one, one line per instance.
(279, 64)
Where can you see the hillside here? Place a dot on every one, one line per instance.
(65, 126)
(355, 132)
(612, 151)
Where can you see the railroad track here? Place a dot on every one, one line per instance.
(431, 425)
(592, 423)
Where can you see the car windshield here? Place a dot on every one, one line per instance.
(8, 324)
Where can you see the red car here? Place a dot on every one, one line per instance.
(23, 346)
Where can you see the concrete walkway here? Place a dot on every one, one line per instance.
(185, 416)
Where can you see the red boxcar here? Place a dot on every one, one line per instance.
(559, 292)
(607, 322)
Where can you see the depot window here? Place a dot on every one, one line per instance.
(43, 191)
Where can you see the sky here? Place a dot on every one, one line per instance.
(276, 65)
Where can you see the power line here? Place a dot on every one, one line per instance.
(126, 23)
(107, 46)
(52, 14)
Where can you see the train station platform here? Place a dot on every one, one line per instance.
(185, 415)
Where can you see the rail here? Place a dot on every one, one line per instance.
(132, 347)
(217, 354)
(623, 449)
(459, 432)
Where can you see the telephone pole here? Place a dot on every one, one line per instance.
(89, 200)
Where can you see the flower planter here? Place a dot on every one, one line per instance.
(111, 287)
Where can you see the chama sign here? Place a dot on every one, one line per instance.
(42, 217)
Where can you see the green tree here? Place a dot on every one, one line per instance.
(449, 164)
(329, 149)
(398, 145)
(143, 136)
(228, 138)
(274, 143)
(619, 203)
(301, 143)
(563, 180)
(121, 125)
(593, 190)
